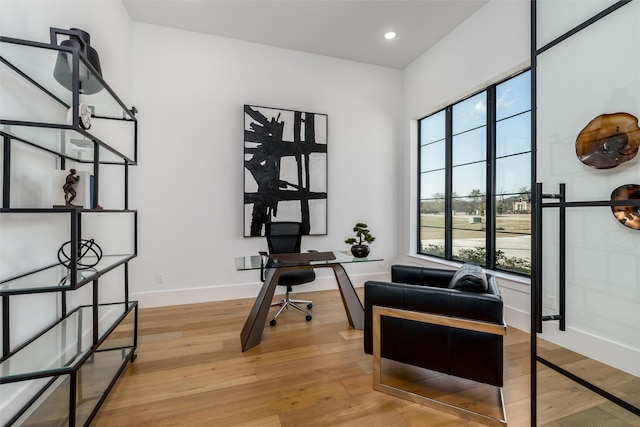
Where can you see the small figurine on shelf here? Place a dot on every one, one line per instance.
(69, 182)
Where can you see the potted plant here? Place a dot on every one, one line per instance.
(358, 248)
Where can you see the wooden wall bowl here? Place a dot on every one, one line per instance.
(629, 216)
(608, 140)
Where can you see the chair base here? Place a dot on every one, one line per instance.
(286, 302)
(464, 413)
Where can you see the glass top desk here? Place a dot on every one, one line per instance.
(276, 264)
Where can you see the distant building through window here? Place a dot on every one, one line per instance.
(475, 178)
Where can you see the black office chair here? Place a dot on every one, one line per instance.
(285, 238)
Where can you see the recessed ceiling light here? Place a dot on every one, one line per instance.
(390, 35)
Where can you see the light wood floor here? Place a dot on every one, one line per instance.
(190, 371)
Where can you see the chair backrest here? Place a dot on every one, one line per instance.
(283, 237)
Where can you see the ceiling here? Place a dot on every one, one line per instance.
(347, 29)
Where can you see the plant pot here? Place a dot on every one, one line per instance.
(360, 251)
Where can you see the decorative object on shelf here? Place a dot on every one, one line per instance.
(84, 247)
(358, 249)
(85, 112)
(82, 182)
(285, 160)
(63, 71)
(69, 187)
(608, 140)
(629, 216)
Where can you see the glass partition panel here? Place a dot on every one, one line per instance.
(590, 288)
(556, 17)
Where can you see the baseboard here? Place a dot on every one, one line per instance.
(517, 318)
(608, 352)
(237, 291)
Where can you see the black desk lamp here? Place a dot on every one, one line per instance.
(63, 71)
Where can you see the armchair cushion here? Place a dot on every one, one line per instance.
(469, 277)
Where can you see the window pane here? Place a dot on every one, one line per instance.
(513, 135)
(468, 178)
(432, 156)
(470, 113)
(474, 205)
(431, 207)
(432, 185)
(513, 174)
(470, 245)
(470, 147)
(432, 227)
(432, 128)
(513, 96)
(432, 232)
(513, 237)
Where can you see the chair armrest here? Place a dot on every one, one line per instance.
(434, 319)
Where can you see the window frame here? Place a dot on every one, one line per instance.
(491, 179)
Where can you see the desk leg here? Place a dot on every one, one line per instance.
(254, 325)
(352, 304)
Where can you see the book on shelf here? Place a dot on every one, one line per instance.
(83, 187)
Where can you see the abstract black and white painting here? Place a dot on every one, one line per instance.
(285, 175)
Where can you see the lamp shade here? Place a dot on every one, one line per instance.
(63, 70)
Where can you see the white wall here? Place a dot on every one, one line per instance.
(190, 89)
(488, 47)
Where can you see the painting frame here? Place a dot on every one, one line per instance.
(285, 169)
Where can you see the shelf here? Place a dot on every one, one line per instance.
(54, 278)
(94, 379)
(65, 346)
(64, 210)
(36, 62)
(61, 139)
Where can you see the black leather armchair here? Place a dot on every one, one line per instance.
(443, 320)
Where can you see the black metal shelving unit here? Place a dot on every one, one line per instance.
(78, 358)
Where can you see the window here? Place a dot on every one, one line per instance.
(475, 178)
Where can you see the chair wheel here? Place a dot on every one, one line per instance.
(273, 322)
(308, 318)
(309, 306)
